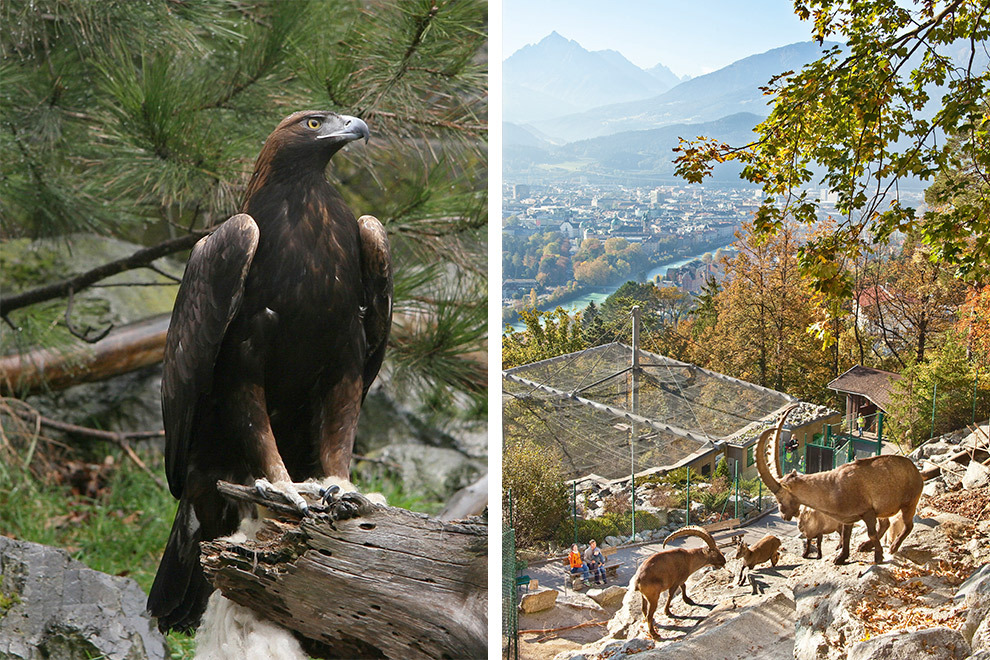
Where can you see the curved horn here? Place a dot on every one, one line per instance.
(761, 462)
(761, 452)
(693, 530)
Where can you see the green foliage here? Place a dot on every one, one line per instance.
(910, 420)
(539, 497)
(547, 334)
(143, 121)
(862, 116)
(679, 478)
(608, 524)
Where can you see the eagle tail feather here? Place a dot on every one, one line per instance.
(179, 594)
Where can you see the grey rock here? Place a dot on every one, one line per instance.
(433, 471)
(974, 595)
(609, 596)
(636, 645)
(935, 643)
(537, 601)
(59, 608)
(977, 476)
(612, 540)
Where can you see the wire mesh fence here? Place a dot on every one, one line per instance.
(609, 420)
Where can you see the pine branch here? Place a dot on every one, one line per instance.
(63, 288)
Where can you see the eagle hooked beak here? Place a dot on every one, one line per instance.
(353, 129)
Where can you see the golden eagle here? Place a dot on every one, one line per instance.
(279, 328)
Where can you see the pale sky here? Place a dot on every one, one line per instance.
(690, 37)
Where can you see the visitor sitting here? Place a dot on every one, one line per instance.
(577, 565)
(595, 561)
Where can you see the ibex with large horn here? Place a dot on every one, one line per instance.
(669, 569)
(868, 489)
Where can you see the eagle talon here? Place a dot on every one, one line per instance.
(329, 494)
(349, 505)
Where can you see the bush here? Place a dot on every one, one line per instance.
(608, 524)
(665, 497)
(539, 495)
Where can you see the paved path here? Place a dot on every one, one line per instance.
(552, 573)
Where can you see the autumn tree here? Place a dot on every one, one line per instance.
(762, 313)
(864, 117)
(945, 381)
(911, 302)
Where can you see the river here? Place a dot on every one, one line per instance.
(579, 303)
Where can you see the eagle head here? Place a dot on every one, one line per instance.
(308, 139)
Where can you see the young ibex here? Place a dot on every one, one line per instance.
(668, 570)
(868, 489)
(814, 525)
(767, 548)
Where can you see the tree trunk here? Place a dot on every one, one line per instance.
(387, 584)
(128, 348)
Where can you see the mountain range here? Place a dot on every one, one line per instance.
(624, 124)
(558, 76)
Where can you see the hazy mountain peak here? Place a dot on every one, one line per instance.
(558, 76)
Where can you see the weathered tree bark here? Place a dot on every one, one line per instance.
(387, 584)
(125, 349)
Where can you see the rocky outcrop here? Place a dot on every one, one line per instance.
(931, 644)
(539, 600)
(916, 604)
(52, 606)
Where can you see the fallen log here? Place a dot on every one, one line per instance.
(387, 584)
(125, 349)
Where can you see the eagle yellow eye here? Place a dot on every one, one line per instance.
(314, 123)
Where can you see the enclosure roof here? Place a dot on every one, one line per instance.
(583, 405)
(874, 384)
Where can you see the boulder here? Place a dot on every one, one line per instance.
(931, 643)
(52, 606)
(977, 476)
(629, 614)
(610, 596)
(432, 471)
(974, 595)
(537, 601)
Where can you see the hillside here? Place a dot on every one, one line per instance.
(641, 152)
(932, 596)
(730, 90)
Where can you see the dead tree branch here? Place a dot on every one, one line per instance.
(61, 289)
(387, 584)
(121, 439)
(128, 348)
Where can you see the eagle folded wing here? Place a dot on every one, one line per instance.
(208, 298)
(376, 277)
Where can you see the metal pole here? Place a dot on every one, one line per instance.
(934, 394)
(574, 509)
(736, 502)
(761, 494)
(687, 504)
(975, 381)
(635, 411)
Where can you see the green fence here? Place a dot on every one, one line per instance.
(661, 503)
(510, 598)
